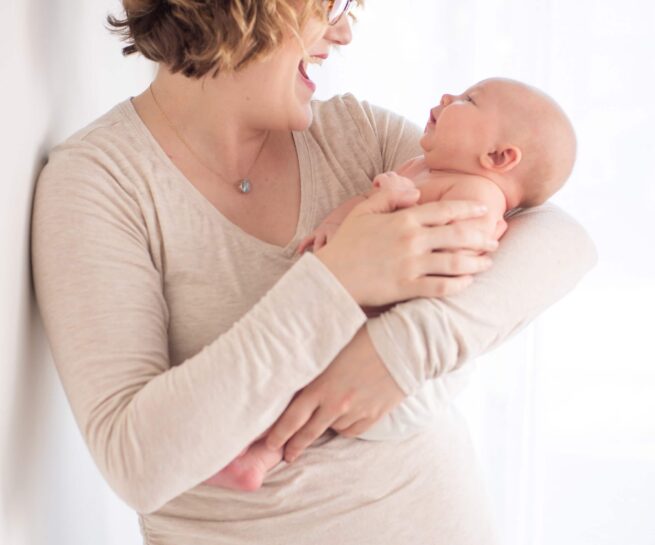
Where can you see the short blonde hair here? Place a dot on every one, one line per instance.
(198, 37)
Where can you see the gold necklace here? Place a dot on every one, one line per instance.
(244, 185)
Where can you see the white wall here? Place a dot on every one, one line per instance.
(563, 415)
(59, 69)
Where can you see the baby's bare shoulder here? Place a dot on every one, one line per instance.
(434, 184)
(476, 188)
(438, 185)
(471, 183)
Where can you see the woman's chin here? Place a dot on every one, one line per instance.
(304, 115)
(303, 119)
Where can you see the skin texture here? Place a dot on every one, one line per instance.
(474, 145)
(225, 120)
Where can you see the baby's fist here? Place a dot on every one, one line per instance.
(391, 180)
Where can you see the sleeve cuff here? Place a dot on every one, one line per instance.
(343, 309)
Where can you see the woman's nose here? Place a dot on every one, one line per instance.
(446, 99)
(341, 33)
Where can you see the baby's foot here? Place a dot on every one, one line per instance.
(247, 471)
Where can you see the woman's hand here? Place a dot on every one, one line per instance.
(382, 257)
(353, 393)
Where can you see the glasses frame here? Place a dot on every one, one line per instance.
(346, 9)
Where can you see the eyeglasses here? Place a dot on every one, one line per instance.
(335, 9)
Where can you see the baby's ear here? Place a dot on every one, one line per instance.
(502, 159)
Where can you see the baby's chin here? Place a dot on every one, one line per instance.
(424, 142)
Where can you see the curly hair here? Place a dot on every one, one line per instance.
(197, 37)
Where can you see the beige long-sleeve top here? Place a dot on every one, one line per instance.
(179, 338)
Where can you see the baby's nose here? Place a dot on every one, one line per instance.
(446, 99)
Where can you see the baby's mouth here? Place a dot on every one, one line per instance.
(431, 123)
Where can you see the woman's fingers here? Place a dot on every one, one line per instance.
(356, 428)
(386, 200)
(452, 264)
(355, 386)
(458, 236)
(295, 416)
(443, 226)
(445, 212)
(375, 255)
(441, 286)
(312, 430)
(341, 424)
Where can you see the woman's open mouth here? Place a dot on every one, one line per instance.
(302, 68)
(305, 77)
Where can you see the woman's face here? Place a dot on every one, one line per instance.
(278, 89)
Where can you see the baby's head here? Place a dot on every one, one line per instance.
(505, 130)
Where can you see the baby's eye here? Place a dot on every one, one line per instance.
(468, 97)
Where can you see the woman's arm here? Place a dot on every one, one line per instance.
(542, 256)
(156, 431)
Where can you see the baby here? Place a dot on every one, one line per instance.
(502, 143)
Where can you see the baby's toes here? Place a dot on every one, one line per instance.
(251, 479)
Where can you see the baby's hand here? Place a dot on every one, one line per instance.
(392, 180)
(319, 238)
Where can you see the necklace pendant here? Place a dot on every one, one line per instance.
(245, 186)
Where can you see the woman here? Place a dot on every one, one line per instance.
(182, 322)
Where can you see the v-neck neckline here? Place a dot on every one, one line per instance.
(307, 206)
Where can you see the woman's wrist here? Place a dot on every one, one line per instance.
(332, 263)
